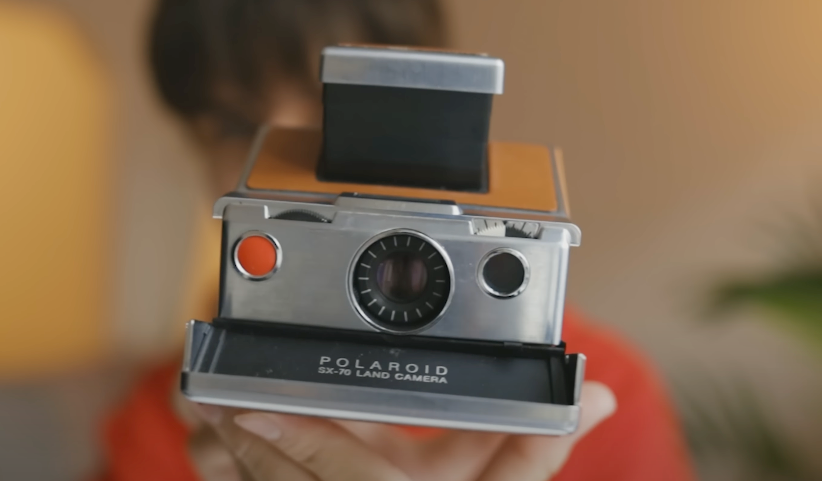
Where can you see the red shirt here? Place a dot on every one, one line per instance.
(642, 441)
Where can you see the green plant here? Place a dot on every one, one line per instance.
(791, 292)
(792, 298)
(733, 423)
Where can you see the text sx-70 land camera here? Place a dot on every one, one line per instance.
(395, 266)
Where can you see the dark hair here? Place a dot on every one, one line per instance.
(204, 51)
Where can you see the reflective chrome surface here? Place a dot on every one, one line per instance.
(311, 285)
(381, 405)
(373, 203)
(372, 404)
(579, 378)
(399, 67)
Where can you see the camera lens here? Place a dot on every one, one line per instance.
(402, 276)
(401, 282)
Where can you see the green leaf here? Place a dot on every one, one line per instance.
(794, 300)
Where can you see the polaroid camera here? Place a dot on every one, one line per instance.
(395, 266)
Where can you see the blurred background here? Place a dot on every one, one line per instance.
(692, 134)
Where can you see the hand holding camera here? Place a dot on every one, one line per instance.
(271, 447)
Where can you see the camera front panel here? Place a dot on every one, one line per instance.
(390, 272)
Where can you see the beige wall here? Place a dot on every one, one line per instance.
(684, 125)
(689, 128)
(56, 246)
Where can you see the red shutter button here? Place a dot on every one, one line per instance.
(257, 256)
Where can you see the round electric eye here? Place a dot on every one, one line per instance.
(504, 273)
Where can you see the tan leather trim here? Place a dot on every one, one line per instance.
(520, 175)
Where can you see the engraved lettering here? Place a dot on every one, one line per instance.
(420, 378)
(375, 374)
(402, 371)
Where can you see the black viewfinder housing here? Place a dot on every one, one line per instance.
(400, 131)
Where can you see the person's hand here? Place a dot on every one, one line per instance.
(256, 446)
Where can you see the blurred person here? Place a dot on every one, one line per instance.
(225, 67)
(57, 125)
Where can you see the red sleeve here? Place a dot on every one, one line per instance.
(642, 441)
(144, 439)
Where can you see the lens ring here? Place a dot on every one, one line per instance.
(417, 291)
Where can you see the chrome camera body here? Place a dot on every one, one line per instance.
(384, 297)
(336, 263)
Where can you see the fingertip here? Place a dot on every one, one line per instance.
(598, 397)
(598, 403)
(208, 412)
(267, 426)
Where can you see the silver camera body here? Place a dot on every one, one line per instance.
(327, 257)
(395, 270)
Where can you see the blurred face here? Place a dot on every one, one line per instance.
(226, 136)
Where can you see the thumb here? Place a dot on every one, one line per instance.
(538, 458)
